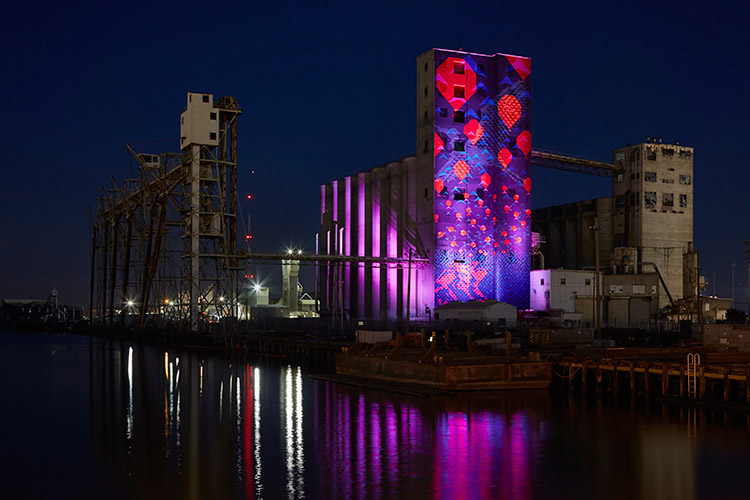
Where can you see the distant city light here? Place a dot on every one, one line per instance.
(299, 252)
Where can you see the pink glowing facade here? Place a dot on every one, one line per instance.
(463, 203)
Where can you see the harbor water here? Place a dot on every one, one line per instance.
(88, 417)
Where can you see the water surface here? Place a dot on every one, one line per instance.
(91, 418)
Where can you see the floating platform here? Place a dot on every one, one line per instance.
(446, 371)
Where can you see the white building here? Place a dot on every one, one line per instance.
(499, 313)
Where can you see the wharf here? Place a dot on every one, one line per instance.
(715, 377)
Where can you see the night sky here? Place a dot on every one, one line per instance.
(330, 91)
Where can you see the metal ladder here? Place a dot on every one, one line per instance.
(693, 361)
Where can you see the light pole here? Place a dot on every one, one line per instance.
(597, 306)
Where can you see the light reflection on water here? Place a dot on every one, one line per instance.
(143, 422)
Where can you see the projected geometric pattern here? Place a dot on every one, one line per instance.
(482, 178)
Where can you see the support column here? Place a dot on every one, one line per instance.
(195, 199)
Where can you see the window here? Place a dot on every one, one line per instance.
(649, 176)
(459, 117)
(459, 194)
(212, 136)
(667, 199)
(425, 91)
(685, 179)
(458, 91)
(619, 177)
(619, 204)
(458, 68)
(458, 146)
(425, 116)
(542, 281)
(426, 147)
(205, 98)
(685, 154)
(683, 201)
(651, 156)
(213, 116)
(425, 67)
(562, 281)
(649, 199)
(588, 281)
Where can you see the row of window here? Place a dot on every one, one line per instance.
(667, 200)
(651, 177)
(649, 200)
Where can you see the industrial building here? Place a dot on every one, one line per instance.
(645, 228)
(453, 222)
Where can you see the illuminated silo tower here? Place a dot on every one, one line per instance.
(473, 134)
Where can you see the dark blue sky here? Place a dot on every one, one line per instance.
(329, 91)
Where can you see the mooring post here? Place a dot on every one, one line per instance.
(664, 378)
(571, 378)
(584, 372)
(726, 384)
(598, 377)
(682, 380)
(614, 378)
(632, 378)
(422, 338)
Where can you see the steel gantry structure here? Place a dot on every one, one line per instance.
(164, 244)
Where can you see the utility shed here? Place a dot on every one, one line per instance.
(500, 313)
(558, 288)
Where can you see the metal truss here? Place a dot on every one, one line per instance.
(572, 164)
(164, 243)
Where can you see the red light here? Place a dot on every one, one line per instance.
(252, 276)
(248, 237)
(249, 197)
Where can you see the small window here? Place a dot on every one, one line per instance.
(542, 281)
(425, 116)
(205, 98)
(458, 146)
(562, 281)
(459, 194)
(458, 68)
(212, 136)
(425, 192)
(619, 204)
(650, 176)
(182, 120)
(683, 201)
(213, 116)
(425, 67)
(685, 179)
(426, 147)
(458, 91)
(588, 281)
(425, 91)
(667, 199)
(459, 117)
(649, 199)
(651, 156)
(667, 181)
(619, 177)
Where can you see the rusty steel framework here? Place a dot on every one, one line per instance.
(164, 244)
